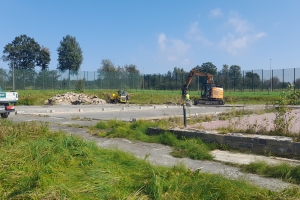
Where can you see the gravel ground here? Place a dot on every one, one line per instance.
(264, 121)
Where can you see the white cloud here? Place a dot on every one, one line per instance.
(162, 41)
(232, 44)
(260, 35)
(216, 12)
(173, 50)
(239, 25)
(195, 34)
(239, 36)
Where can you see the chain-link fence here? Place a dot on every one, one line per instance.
(247, 80)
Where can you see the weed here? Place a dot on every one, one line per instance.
(74, 117)
(283, 119)
(283, 171)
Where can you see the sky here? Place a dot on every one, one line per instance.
(158, 35)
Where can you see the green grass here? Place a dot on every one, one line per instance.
(145, 97)
(282, 171)
(37, 163)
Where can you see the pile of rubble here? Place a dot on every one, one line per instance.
(74, 99)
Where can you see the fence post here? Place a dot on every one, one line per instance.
(262, 80)
(272, 81)
(184, 115)
(282, 79)
(243, 80)
(294, 79)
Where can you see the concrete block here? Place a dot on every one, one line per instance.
(52, 111)
(296, 148)
(245, 145)
(282, 150)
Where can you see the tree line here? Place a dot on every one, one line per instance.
(23, 54)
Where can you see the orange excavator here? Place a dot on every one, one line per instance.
(210, 93)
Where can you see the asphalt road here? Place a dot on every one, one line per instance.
(115, 111)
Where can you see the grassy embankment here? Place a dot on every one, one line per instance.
(144, 97)
(37, 163)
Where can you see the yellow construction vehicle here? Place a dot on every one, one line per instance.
(121, 97)
(210, 93)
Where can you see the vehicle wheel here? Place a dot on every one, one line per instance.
(4, 115)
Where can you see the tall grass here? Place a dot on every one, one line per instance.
(283, 171)
(37, 163)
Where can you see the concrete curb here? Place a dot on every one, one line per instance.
(86, 109)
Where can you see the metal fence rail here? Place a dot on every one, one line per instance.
(247, 80)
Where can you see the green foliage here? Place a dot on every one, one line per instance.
(283, 119)
(69, 55)
(235, 76)
(207, 67)
(43, 58)
(23, 52)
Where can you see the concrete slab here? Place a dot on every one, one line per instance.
(244, 159)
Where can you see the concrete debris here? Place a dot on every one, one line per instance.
(71, 98)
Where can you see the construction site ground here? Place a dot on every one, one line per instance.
(60, 117)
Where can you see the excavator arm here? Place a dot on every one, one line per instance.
(190, 78)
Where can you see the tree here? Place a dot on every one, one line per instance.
(107, 66)
(43, 58)
(69, 55)
(207, 67)
(252, 80)
(131, 69)
(235, 76)
(223, 76)
(23, 52)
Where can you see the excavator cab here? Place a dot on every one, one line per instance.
(206, 91)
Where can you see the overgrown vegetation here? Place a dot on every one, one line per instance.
(37, 163)
(282, 171)
(193, 148)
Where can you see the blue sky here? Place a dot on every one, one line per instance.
(157, 36)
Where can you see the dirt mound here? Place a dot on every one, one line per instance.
(71, 98)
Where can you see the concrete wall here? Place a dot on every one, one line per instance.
(261, 144)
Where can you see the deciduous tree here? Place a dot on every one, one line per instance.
(43, 58)
(69, 55)
(207, 67)
(235, 76)
(23, 51)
